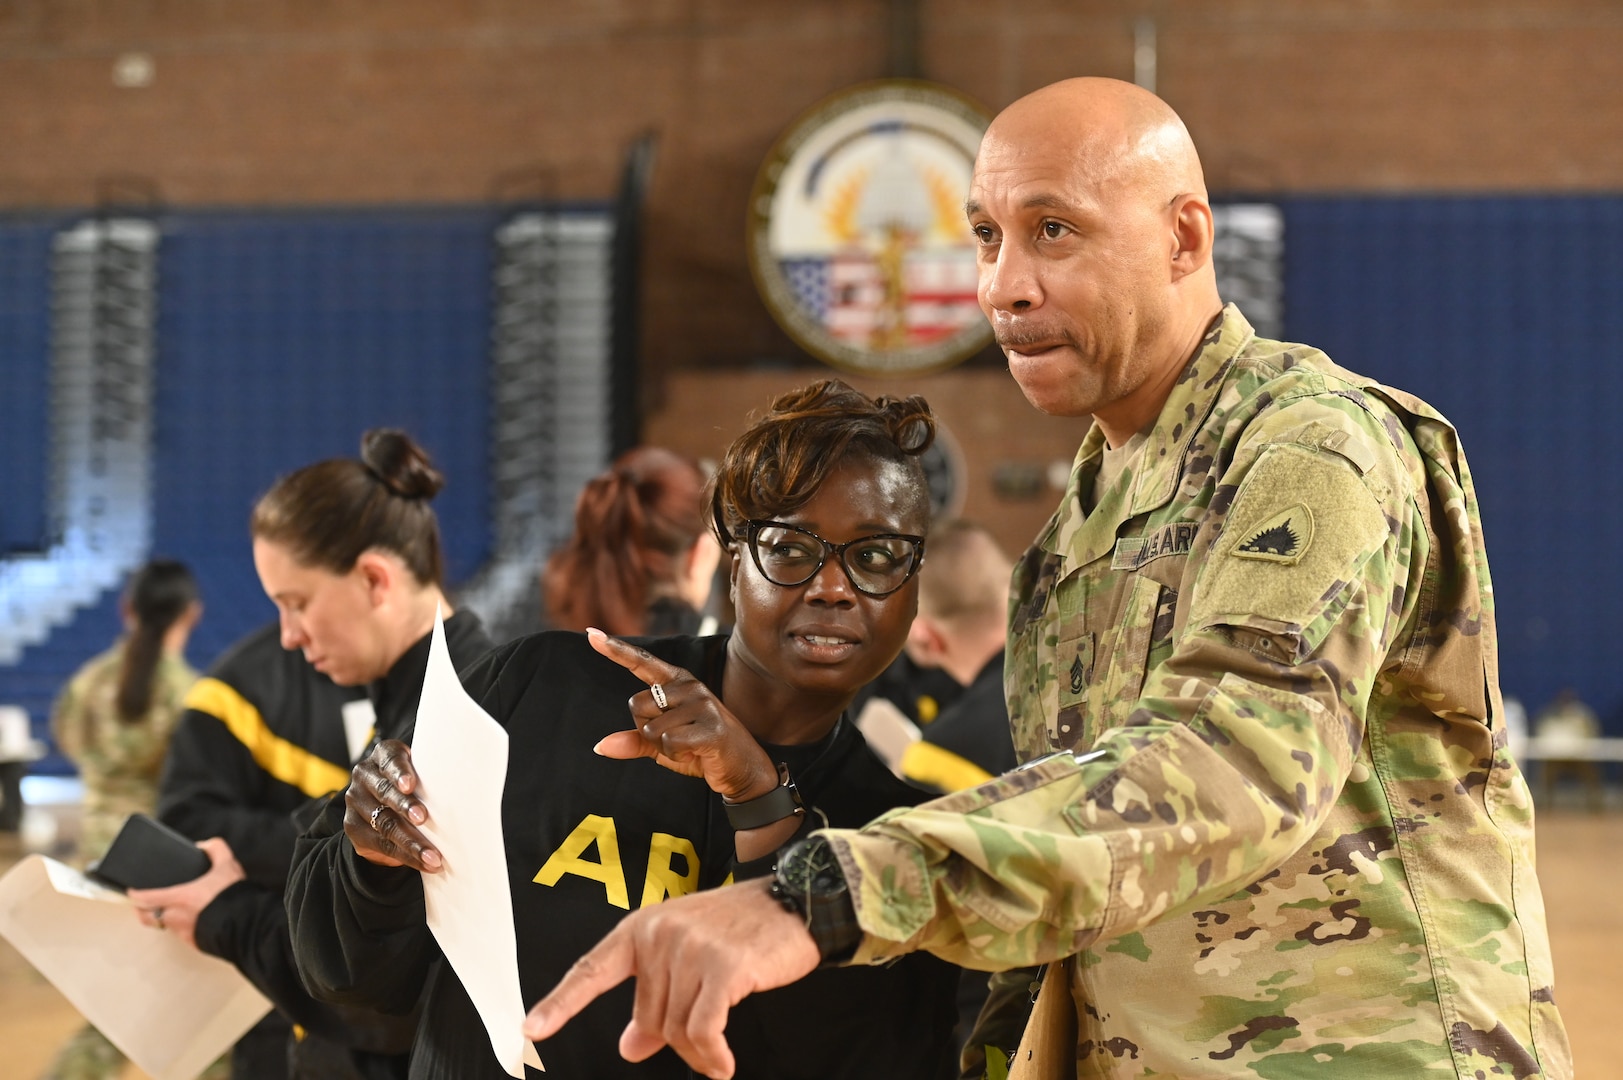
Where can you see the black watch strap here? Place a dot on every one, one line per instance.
(781, 802)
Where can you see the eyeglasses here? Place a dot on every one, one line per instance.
(877, 565)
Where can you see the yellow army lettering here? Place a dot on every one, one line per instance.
(662, 881)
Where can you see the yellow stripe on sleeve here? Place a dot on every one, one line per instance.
(930, 764)
(291, 764)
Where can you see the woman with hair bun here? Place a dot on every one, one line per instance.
(640, 560)
(349, 551)
(641, 773)
(114, 721)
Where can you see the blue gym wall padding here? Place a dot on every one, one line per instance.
(1503, 312)
(25, 342)
(282, 335)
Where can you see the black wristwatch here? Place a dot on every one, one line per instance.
(810, 883)
(781, 802)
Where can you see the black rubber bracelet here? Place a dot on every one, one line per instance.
(781, 802)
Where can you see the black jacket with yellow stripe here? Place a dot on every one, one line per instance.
(263, 733)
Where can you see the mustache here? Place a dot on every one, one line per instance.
(1020, 337)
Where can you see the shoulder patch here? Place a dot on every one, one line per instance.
(1283, 538)
(1301, 529)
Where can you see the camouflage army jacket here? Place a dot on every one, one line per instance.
(1286, 837)
(119, 763)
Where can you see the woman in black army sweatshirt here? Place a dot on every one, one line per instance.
(822, 507)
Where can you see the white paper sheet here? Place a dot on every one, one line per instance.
(460, 755)
(170, 1008)
(360, 719)
(888, 731)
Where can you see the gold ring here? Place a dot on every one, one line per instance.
(377, 812)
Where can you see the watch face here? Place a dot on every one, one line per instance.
(810, 868)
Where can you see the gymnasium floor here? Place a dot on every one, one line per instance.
(1579, 864)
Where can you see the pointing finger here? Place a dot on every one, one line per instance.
(640, 662)
(609, 964)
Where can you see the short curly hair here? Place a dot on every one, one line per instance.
(778, 465)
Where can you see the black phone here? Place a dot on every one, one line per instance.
(147, 854)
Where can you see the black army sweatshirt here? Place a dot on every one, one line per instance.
(588, 839)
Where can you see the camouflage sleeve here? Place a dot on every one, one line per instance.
(1236, 749)
(69, 719)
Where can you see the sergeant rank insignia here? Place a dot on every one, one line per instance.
(1283, 538)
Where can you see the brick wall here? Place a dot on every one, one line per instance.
(380, 101)
(366, 101)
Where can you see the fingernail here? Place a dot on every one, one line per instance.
(417, 814)
(594, 633)
(431, 858)
(597, 747)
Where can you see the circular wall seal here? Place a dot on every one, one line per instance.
(857, 238)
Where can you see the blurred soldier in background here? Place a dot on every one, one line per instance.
(114, 721)
(960, 628)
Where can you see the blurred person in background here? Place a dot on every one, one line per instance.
(114, 721)
(960, 629)
(640, 560)
(1566, 726)
(349, 550)
(904, 701)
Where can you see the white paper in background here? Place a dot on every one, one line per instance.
(359, 722)
(171, 1009)
(888, 731)
(460, 755)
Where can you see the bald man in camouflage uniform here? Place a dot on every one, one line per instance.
(1278, 832)
(1304, 842)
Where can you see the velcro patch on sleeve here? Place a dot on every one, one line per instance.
(1302, 525)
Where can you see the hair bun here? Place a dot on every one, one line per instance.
(400, 464)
